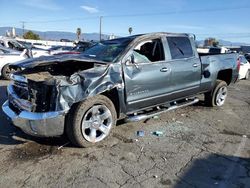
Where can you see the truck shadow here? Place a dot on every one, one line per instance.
(215, 170)
(11, 135)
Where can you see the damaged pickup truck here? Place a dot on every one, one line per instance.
(130, 78)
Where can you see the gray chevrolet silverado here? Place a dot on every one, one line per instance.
(131, 78)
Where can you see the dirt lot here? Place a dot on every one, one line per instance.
(200, 147)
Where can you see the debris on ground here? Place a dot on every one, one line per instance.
(140, 133)
(62, 146)
(155, 117)
(164, 158)
(157, 133)
(179, 122)
(142, 148)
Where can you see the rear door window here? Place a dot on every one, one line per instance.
(180, 47)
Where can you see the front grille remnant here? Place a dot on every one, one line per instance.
(21, 89)
(40, 94)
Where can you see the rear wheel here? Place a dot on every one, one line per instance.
(218, 96)
(91, 121)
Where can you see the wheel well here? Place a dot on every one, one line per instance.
(225, 75)
(113, 96)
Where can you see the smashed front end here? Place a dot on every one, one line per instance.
(43, 92)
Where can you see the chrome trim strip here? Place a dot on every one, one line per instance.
(40, 115)
(146, 116)
(162, 95)
(22, 103)
(8, 111)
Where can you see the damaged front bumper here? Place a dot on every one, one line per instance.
(43, 124)
(46, 124)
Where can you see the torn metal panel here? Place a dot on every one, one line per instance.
(50, 87)
(88, 83)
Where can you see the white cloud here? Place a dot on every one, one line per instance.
(41, 4)
(89, 9)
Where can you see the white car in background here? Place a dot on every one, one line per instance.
(11, 43)
(37, 52)
(41, 46)
(244, 67)
(8, 56)
(60, 49)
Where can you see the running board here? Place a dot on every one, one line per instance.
(132, 118)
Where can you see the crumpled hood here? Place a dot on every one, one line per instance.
(46, 60)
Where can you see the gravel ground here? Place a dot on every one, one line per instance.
(200, 147)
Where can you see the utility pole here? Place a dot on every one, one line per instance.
(23, 26)
(100, 28)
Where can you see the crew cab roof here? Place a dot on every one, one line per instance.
(148, 35)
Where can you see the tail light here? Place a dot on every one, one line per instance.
(238, 64)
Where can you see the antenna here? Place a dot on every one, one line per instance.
(23, 26)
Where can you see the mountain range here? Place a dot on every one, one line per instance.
(57, 35)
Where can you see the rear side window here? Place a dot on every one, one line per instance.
(180, 47)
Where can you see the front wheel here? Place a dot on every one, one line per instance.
(6, 71)
(218, 95)
(91, 121)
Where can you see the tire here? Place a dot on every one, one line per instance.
(247, 75)
(6, 72)
(91, 121)
(218, 95)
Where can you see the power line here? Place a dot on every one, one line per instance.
(142, 14)
(23, 26)
(179, 12)
(100, 28)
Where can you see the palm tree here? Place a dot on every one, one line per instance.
(78, 33)
(130, 29)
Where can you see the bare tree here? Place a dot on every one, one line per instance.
(211, 42)
(78, 33)
(130, 29)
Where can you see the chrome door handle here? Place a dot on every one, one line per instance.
(195, 65)
(164, 69)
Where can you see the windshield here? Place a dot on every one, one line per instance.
(108, 51)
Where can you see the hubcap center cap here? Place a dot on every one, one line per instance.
(96, 123)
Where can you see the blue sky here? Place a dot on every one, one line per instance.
(227, 19)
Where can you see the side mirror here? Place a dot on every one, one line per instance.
(128, 61)
(131, 60)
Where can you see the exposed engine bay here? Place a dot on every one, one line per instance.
(55, 86)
